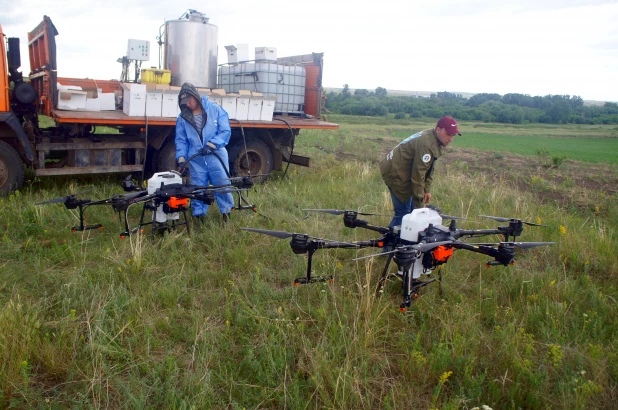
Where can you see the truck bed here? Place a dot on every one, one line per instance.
(119, 118)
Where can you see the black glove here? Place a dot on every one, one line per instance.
(182, 169)
(208, 149)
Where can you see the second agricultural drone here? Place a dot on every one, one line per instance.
(418, 246)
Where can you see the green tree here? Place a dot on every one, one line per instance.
(346, 91)
(381, 92)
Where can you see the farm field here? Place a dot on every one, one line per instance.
(210, 319)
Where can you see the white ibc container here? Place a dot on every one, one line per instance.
(286, 82)
(416, 221)
(154, 183)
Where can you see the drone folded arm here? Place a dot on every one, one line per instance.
(352, 222)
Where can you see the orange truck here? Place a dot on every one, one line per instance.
(73, 146)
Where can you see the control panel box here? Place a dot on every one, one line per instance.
(138, 50)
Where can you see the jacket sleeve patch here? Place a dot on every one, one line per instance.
(426, 158)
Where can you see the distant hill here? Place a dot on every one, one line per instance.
(406, 93)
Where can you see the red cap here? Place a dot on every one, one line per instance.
(449, 124)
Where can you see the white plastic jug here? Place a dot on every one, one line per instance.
(154, 183)
(417, 221)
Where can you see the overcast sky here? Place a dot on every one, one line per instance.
(535, 47)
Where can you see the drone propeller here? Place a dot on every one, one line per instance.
(458, 218)
(340, 212)
(276, 234)
(244, 176)
(501, 219)
(64, 198)
(526, 245)
(521, 245)
(284, 235)
(422, 247)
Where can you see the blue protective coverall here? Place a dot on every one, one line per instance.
(207, 168)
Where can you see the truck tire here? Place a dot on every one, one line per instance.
(259, 156)
(11, 169)
(166, 160)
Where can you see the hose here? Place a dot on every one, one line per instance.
(292, 141)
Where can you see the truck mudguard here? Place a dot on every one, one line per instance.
(13, 122)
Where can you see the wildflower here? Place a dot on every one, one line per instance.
(562, 230)
(444, 377)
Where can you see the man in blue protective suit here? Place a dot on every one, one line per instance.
(204, 126)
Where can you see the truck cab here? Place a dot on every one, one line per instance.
(16, 108)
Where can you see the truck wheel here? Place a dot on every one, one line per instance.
(257, 158)
(166, 160)
(11, 169)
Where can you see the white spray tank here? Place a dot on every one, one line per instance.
(413, 223)
(154, 183)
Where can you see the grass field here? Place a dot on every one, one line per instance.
(595, 144)
(210, 319)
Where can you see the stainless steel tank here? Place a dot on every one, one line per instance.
(190, 50)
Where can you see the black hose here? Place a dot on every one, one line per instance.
(145, 152)
(292, 141)
(244, 141)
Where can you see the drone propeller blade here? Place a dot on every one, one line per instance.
(422, 247)
(54, 201)
(64, 198)
(458, 218)
(501, 219)
(526, 245)
(533, 224)
(340, 212)
(522, 245)
(276, 234)
(495, 218)
(245, 176)
(132, 195)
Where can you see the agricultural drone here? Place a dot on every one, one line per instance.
(167, 197)
(418, 246)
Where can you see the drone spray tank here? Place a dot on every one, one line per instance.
(413, 223)
(154, 183)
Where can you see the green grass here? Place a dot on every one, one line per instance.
(577, 143)
(210, 319)
(595, 150)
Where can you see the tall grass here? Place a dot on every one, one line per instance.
(210, 319)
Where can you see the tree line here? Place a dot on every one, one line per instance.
(510, 108)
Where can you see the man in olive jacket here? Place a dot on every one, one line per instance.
(408, 169)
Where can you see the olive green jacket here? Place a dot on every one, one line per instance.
(407, 170)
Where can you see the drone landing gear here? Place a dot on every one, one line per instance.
(410, 290)
(308, 278)
(305, 281)
(81, 205)
(86, 228)
(159, 227)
